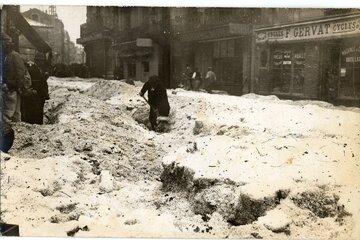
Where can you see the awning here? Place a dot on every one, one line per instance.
(140, 47)
(136, 52)
(30, 34)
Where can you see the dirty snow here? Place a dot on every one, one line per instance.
(238, 167)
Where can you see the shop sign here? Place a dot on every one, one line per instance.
(310, 31)
(143, 42)
(351, 54)
(282, 57)
(277, 58)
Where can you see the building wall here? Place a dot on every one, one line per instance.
(95, 54)
(26, 49)
(276, 16)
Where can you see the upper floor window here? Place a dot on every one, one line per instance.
(127, 20)
(35, 17)
(334, 11)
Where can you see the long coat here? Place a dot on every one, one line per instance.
(157, 95)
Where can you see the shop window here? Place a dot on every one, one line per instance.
(281, 63)
(288, 69)
(350, 72)
(146, 66)
(299, 67)
(263, 58)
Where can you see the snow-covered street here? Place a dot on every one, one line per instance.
(237, 167)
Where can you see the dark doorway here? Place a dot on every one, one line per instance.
(330, 71)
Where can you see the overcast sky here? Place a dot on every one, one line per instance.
(71, 16)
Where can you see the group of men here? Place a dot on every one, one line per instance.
(192, 80)
(24, 90)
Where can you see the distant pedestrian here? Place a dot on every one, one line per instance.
(187, 78)
(332, 86)
(210, 80)
(157, 98)
(196, 79)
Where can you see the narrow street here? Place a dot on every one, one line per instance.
(237, 167)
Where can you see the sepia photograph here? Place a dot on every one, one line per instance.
(180, 121)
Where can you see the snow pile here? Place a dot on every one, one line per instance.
(260, 146)
(237, 167)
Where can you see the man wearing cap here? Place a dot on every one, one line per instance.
(16, 81)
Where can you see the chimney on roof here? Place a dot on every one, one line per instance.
(52, 10)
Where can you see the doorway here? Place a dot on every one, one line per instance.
(330, 71)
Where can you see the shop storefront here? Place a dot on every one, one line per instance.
(138, 59)
(310, 60)
(225, 48)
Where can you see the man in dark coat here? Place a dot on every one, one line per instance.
(32, 107)
(158, 99)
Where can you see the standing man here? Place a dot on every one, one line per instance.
(158, 99)
(332, 86)
(210, 79)
(196, 79)
(188, 77)
(16, 81)
(32, 107)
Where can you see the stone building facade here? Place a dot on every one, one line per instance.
(96, 38)
(15, 25)
(136, 42)
(126, 42)
(54, 34)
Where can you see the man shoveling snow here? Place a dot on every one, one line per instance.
(158, 101)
